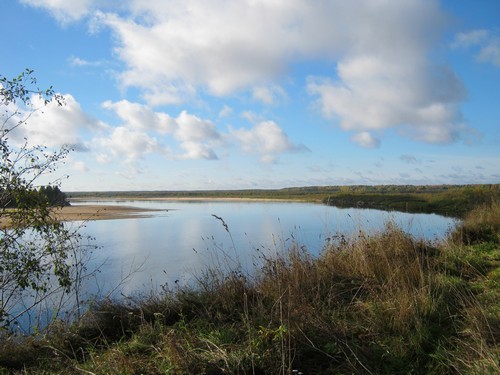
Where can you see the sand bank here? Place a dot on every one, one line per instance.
(100, 212)
(94, 212)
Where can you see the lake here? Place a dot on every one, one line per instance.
(174, 244)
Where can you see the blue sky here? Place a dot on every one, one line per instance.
(235, 94)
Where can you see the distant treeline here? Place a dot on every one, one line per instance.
(451, 200)
(50, 195)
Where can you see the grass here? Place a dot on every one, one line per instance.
(444, 200)
(374, 304)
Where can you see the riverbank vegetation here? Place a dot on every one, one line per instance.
(375, 304)
(447, 200)
(50, 196)
(39, 256)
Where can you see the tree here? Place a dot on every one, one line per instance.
(53, 195)
(39, 256)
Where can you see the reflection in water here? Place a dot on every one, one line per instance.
(179, 244)
(140, 255)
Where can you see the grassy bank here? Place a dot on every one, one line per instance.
(378, 304)
(448, 200)
(452, 201)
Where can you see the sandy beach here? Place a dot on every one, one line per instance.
(94, 212)
(100, 212)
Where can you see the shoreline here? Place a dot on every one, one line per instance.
(86, 211)
(197, 199)
(101, 212)
(94, 212)
(91, 212)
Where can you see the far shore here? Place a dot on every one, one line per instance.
(228, 199)
(447, 200)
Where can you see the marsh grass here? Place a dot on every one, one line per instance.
(377, 304)
(482, 224)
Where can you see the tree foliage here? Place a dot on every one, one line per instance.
(38, 255)
(53, 195)
(49, 194)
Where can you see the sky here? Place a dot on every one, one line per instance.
(261, 94)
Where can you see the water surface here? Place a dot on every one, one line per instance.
(174, 244)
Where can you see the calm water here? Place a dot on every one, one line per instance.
(176, 243)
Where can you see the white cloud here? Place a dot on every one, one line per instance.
(384, 77)
(193, 129)
(102, 157)
(225, 111)
(266, 139)
(64, 11)
(174, 51)
(127, 144)
(197, 137)
(52, 125)
(139, 116)
(366, 140)
(77, 61)
(268, 94)
(467, 39)
(214, 46)
(486, 44)
(374, 94)
(251, 116)
(490, 52)
(197, 150)
(144, 131)
(79, 166)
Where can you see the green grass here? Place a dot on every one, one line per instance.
(449, 201)
(375, 304)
